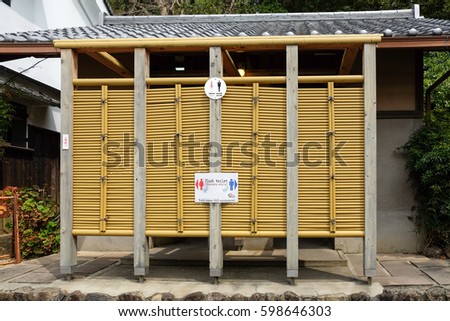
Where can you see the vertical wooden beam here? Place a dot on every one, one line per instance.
(215, 160)
(69, 71)
(141, 252)
(292, 160)
(370, 167)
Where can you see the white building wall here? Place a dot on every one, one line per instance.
(396, 231)
(51, 14)
(13, 21)
(28, 15)
(33, 11)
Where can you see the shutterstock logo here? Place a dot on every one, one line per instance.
(196, 153)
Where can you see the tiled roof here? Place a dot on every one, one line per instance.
(28, 88)
(390, 23)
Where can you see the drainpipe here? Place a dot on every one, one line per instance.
(433, 87)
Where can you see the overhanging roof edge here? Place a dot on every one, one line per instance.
(38, 49)
(215, 41)
(424, 42)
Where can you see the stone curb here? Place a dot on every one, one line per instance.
(435, 293)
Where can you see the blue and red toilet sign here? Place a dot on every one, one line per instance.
(215, 88)
(216, 187)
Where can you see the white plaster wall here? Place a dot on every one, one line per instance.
(395, 199)
(12, 21)
(50, 14)
(396, 231)
(61, 14)
(31, 10)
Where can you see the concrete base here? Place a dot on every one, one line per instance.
(257, 243)
(141, 271)
(292, 273)
(215, 273)
(105, 243)
(350, 245)
(68, 270)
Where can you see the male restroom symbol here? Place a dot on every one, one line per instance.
(233, 184)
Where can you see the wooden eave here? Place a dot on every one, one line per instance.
(19, 50)
(426, 42)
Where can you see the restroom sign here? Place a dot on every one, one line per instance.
(216, 187)
(215, 88)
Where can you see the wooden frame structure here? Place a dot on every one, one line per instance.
(141, 48)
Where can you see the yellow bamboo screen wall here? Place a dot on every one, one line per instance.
(237, 137)
(313, 169)
(331, 185)
(103, 195)
(161, 177)
(331, 167)
(87, 130)
(271, 177)
(349, 119)
(178, 130)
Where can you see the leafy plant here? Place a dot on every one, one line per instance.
(428, 162)
(436, 63)
(6, 116)
(428, 158)
(38, 221)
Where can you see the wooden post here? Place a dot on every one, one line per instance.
(17, 253)
(141, 246)
(69, 71)
(292, 161)
(370, 167)
(215, 159)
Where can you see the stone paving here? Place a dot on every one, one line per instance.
(406, 270)
(322, 273)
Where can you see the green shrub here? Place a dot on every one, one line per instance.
(38, 221)
(6, 116)
(428, 162)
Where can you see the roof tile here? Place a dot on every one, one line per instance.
(390, 23)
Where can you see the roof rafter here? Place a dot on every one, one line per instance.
(111, 62)
(348, 60)
(228, 64)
